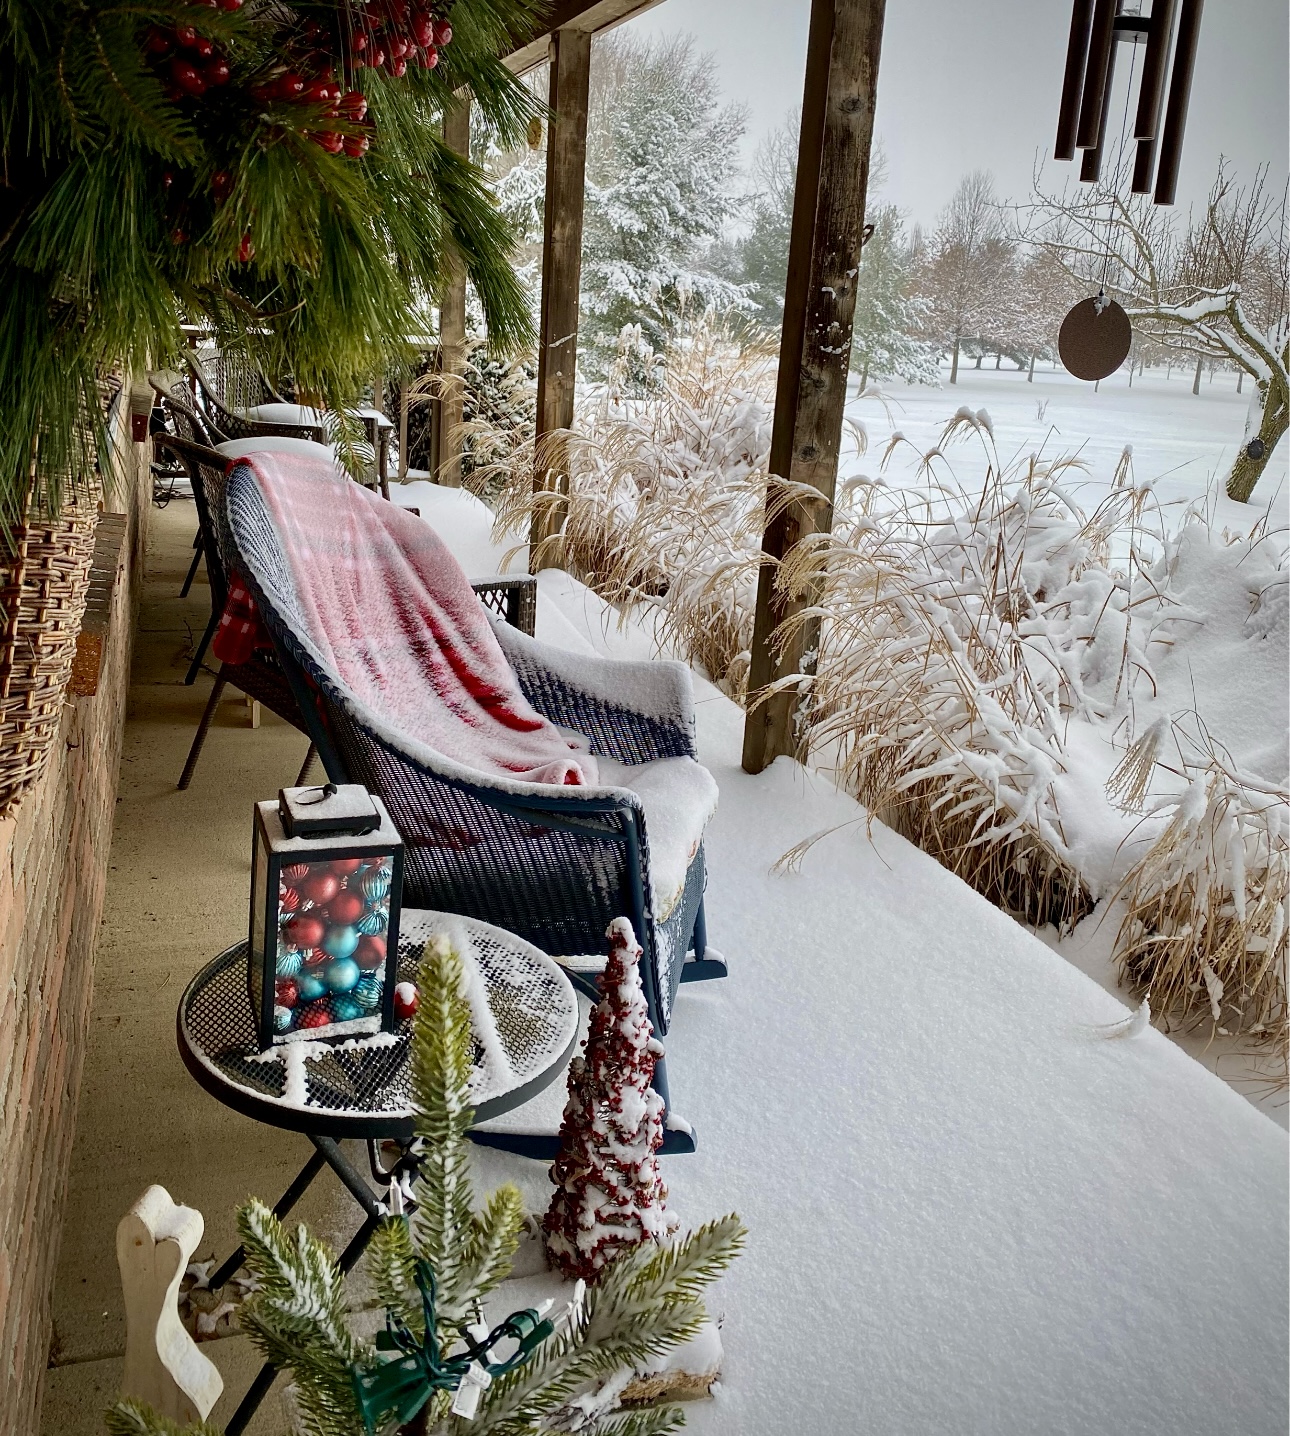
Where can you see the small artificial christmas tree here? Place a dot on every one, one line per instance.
(609, 1193)
(432, 1272)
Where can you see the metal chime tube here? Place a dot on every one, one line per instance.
(1073, 82)
(1097, 75)
(1179, 94)
(1151, 95)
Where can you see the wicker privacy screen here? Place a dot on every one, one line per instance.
(44, 580)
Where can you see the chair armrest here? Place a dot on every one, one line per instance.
(632, 711)
(512, 597)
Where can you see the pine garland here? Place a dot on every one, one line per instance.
(647, 1301)
(313, 228)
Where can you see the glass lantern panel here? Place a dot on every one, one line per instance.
(332, 919)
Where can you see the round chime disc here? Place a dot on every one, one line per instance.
(1093, 344)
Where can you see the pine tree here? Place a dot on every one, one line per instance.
(660, 155)
(239, 166)
(609, 1193)
(887, 317)
(647, 1302)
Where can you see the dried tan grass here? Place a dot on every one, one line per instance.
(1204, 927)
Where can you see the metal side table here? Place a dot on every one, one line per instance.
(361, 1088)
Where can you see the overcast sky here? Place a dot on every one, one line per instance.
(974, 84)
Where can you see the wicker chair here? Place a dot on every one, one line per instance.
(232, 390)
(554, 866)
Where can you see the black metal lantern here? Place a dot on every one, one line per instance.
(326, 882)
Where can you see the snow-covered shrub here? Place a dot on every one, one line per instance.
(1204, 925)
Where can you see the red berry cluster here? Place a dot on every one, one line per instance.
(395, 34)
(187, 60)
(292, 88)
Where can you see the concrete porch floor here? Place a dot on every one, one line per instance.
(177, 891)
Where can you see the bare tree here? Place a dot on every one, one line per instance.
(1217, 293)
(963, 266)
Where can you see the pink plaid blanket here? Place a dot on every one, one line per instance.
(391, 614)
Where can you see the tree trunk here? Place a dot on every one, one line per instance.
(954, 363)
(1169, 370)
(1240, 379)
(1247, 469)
(998, 358)
(1030, 377)
(977, 365)
(864, 377)
(1195, 383)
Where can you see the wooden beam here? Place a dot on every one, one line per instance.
(566, 170)
(447, 411)
(815, 347)
(531, 47)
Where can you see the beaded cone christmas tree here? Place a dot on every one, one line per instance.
(609, 1193)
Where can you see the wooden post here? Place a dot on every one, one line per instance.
(566, 169)
(815, 347)
(452, 329)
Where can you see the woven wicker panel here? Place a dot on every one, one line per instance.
(43, 587)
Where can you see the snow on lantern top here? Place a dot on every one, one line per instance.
(326, 880)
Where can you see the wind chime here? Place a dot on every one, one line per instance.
(1095, 336)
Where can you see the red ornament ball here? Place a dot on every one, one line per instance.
(342, 867)
(355, 146)
(245, 250)
(288, 900)
(345, 908)
(333, 143)
(288, 994)
(317, 1014)
(315, 956)
(305, 931)
(319, 887)
(370, 953)
(405, 1001)
(442, 32)
(186, 36)
(422, 28)
(217, 72)
(353, 106)
(398, 68)
(295, 871)
(290, 86)
(428, 58)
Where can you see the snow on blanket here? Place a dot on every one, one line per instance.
(389, 612)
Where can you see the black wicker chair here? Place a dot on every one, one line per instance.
(554, 866)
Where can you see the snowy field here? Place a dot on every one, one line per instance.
(1181, 442)
(974, 1205)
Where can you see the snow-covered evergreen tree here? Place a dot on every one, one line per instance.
(645, 1304)
(609, 1194)
(661, 151)
(885, 332)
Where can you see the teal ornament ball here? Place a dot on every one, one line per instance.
(367, 992)
(346, 1009)
(375, 885)
(282, 1019)
(289, 963)
(340, 942)
(311, 987)
(342, 974)
(374, 920)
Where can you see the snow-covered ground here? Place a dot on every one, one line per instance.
(1185, 443)
(974, 1205)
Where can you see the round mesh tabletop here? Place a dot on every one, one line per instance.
(524, 1017)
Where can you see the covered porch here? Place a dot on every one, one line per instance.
(974, 1204)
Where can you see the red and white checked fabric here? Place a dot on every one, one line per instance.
(388, 611)
(241, 629)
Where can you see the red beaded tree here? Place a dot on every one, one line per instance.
(609, 1194)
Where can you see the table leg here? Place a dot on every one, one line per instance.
(288, 1200)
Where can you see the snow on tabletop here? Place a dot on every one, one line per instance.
(465, 524)
(972, 1206)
